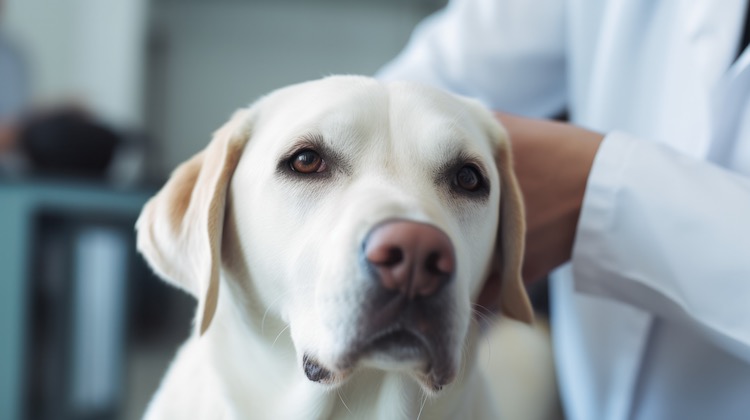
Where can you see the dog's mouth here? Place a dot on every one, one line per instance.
(396, 349)
(397, 344)
(395, 334)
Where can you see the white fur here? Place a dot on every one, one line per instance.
(291, 279)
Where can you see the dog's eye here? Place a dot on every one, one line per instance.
(307, 162)
(468, 178)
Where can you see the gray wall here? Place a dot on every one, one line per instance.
(208, 58)
(89, 52)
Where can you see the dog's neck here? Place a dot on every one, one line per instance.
(257, 371)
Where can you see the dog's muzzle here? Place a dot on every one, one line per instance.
(406, 322)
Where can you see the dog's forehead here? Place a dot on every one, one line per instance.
(443, 124)
(353, 110)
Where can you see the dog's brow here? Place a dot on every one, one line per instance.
(310, 140)
(452, 150)
(460, 157)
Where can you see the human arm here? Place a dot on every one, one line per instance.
(669, 234)
(657, 230)
(552, 161)
(641, 223)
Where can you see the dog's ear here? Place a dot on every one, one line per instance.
(504, 276)
(514, 302)
(180, 228)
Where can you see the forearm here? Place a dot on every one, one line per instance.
(552, 162)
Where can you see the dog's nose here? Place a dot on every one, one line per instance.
(413, 258)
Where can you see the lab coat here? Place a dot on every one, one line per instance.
(651, 319)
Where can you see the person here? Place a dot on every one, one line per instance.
(639, 206)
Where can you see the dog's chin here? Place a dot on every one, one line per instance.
(395, 351)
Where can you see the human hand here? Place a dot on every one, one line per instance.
(552, 161)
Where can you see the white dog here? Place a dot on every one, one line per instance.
(335, 235)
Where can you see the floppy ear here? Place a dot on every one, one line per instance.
(180, 228)
(505, 271)
(514, 302)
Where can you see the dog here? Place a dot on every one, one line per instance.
(336, 234)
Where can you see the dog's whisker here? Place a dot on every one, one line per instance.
(421, 407)
(279, 335)
(463, 356)
(343, 402)
(483, 320)
(265, 314)
(482, 307)
(488, 324)
(486, 338)
(483, 312)
(489, 347)
(462, 368)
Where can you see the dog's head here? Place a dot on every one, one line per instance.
(365, 216)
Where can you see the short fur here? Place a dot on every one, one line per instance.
(274, 256)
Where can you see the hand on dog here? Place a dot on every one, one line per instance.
(552, 162)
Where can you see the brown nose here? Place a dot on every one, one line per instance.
(413, 258)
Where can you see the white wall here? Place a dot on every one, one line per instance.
(89, 51)
(209, 58)
(180, 67)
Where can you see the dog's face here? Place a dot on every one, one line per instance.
(366, 216)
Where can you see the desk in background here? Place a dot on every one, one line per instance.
(76, 241)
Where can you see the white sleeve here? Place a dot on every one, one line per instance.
(509, 54)
(669, 234)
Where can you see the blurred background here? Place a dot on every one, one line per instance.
(99, 101)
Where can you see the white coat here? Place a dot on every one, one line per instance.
(651, 320)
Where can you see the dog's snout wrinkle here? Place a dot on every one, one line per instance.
(413, 258)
